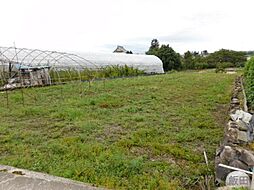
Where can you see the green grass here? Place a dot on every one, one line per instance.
(135, 133)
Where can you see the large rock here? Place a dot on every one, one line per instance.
(242, 126)
(224, 155)
(241, 115)
(227, 155)
(232, 124)
(239, 164)
(243, 136)
(252, 123)
(235, 101)
(231, 135)
(221, 174)
(247, 157)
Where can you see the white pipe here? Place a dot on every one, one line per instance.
(237, 169)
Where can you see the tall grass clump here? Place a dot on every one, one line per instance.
(119, 71)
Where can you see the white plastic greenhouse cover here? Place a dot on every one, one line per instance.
(147, 63)
(77, 61)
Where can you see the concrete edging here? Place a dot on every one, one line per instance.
(12, 178)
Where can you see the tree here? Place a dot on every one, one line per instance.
(204, 53)
(188, 60)
(129, 52)
(195, 53)
(200, 62)
(153, 50)
(155, 44)
(171, 59)
(232, 58)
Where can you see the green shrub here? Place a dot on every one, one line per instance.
(225, 65)
(200, 66)
(249, 81)
(220, 67)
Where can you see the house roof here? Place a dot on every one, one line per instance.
(120, 49)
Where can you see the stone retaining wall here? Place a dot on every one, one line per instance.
(235, 148)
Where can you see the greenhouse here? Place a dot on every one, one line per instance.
(26, 67)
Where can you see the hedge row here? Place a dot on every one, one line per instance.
(249, 81)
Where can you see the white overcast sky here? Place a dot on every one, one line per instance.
(101, 25)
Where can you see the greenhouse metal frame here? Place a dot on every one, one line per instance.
(33, 67)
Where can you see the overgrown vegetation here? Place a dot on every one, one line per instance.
(249, 81)
(219, 59)
(133, 133)
(90, 74)
(61, 76)
(194, 60)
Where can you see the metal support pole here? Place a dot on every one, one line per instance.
(252, 180)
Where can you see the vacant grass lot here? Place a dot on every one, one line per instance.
(136, 133)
